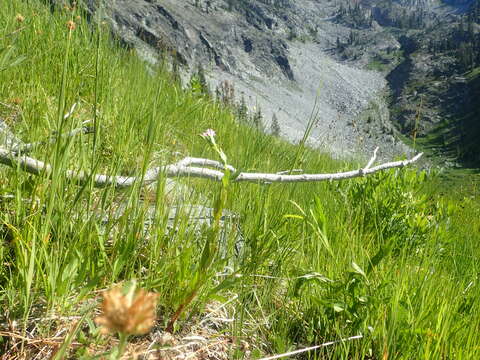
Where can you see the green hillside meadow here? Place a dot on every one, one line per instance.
(392, 259)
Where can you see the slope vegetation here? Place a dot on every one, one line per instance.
(388, 259)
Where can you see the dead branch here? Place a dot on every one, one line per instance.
(202, 169)
(27, 148)
(311, 348)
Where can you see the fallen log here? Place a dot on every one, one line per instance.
(191, 167)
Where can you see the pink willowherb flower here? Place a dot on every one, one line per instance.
(209, 133)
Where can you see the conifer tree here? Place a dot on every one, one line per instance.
(275, 126)
(242, 110)
(257, 119)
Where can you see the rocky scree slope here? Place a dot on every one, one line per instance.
(278, 56)
(432, 72)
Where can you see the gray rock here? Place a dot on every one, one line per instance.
(193, 217)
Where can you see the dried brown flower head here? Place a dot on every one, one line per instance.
(19, 18)
(71, 25)
(73, 7)
(130, 314)
(16, 100)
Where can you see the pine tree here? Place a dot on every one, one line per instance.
(176, 67)
(257, 119)
(203, 81)
(242, 110)
(275, 126)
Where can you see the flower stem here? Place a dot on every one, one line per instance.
(122, 345)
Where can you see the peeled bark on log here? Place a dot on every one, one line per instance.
(184, 168)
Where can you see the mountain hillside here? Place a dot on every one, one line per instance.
(278, 57)
(361, 72)
(145, 216)
(432, 89)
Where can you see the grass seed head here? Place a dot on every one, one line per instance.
(130, 314)
(71, 25)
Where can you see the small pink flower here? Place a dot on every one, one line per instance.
(209, 133)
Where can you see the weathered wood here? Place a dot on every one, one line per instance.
(183, 168)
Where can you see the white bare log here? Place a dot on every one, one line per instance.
(26, 148)
(259, 177)
(204, 162)
(70, 112)
(372, 160)
(311, 348)
(289, 171)
(184, 168)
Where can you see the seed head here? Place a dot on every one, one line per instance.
(130, 314)
(71, 25)
(19, 18)
(16, 100)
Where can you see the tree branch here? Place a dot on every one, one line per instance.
(27, 148)
(183, 168)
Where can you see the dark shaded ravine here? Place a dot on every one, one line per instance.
(400, 75)
(457, 135)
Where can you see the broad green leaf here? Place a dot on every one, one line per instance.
(357, 269)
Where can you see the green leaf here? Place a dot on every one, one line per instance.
(380, 255)
(362, 299)
(320, 215)
(307, 278)
(292, 216)
(317, 276)
(227, 283)
(357, 269)
(62, 351)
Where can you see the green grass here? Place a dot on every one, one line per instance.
(393, 257)
(385, 61)
(377, 65)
